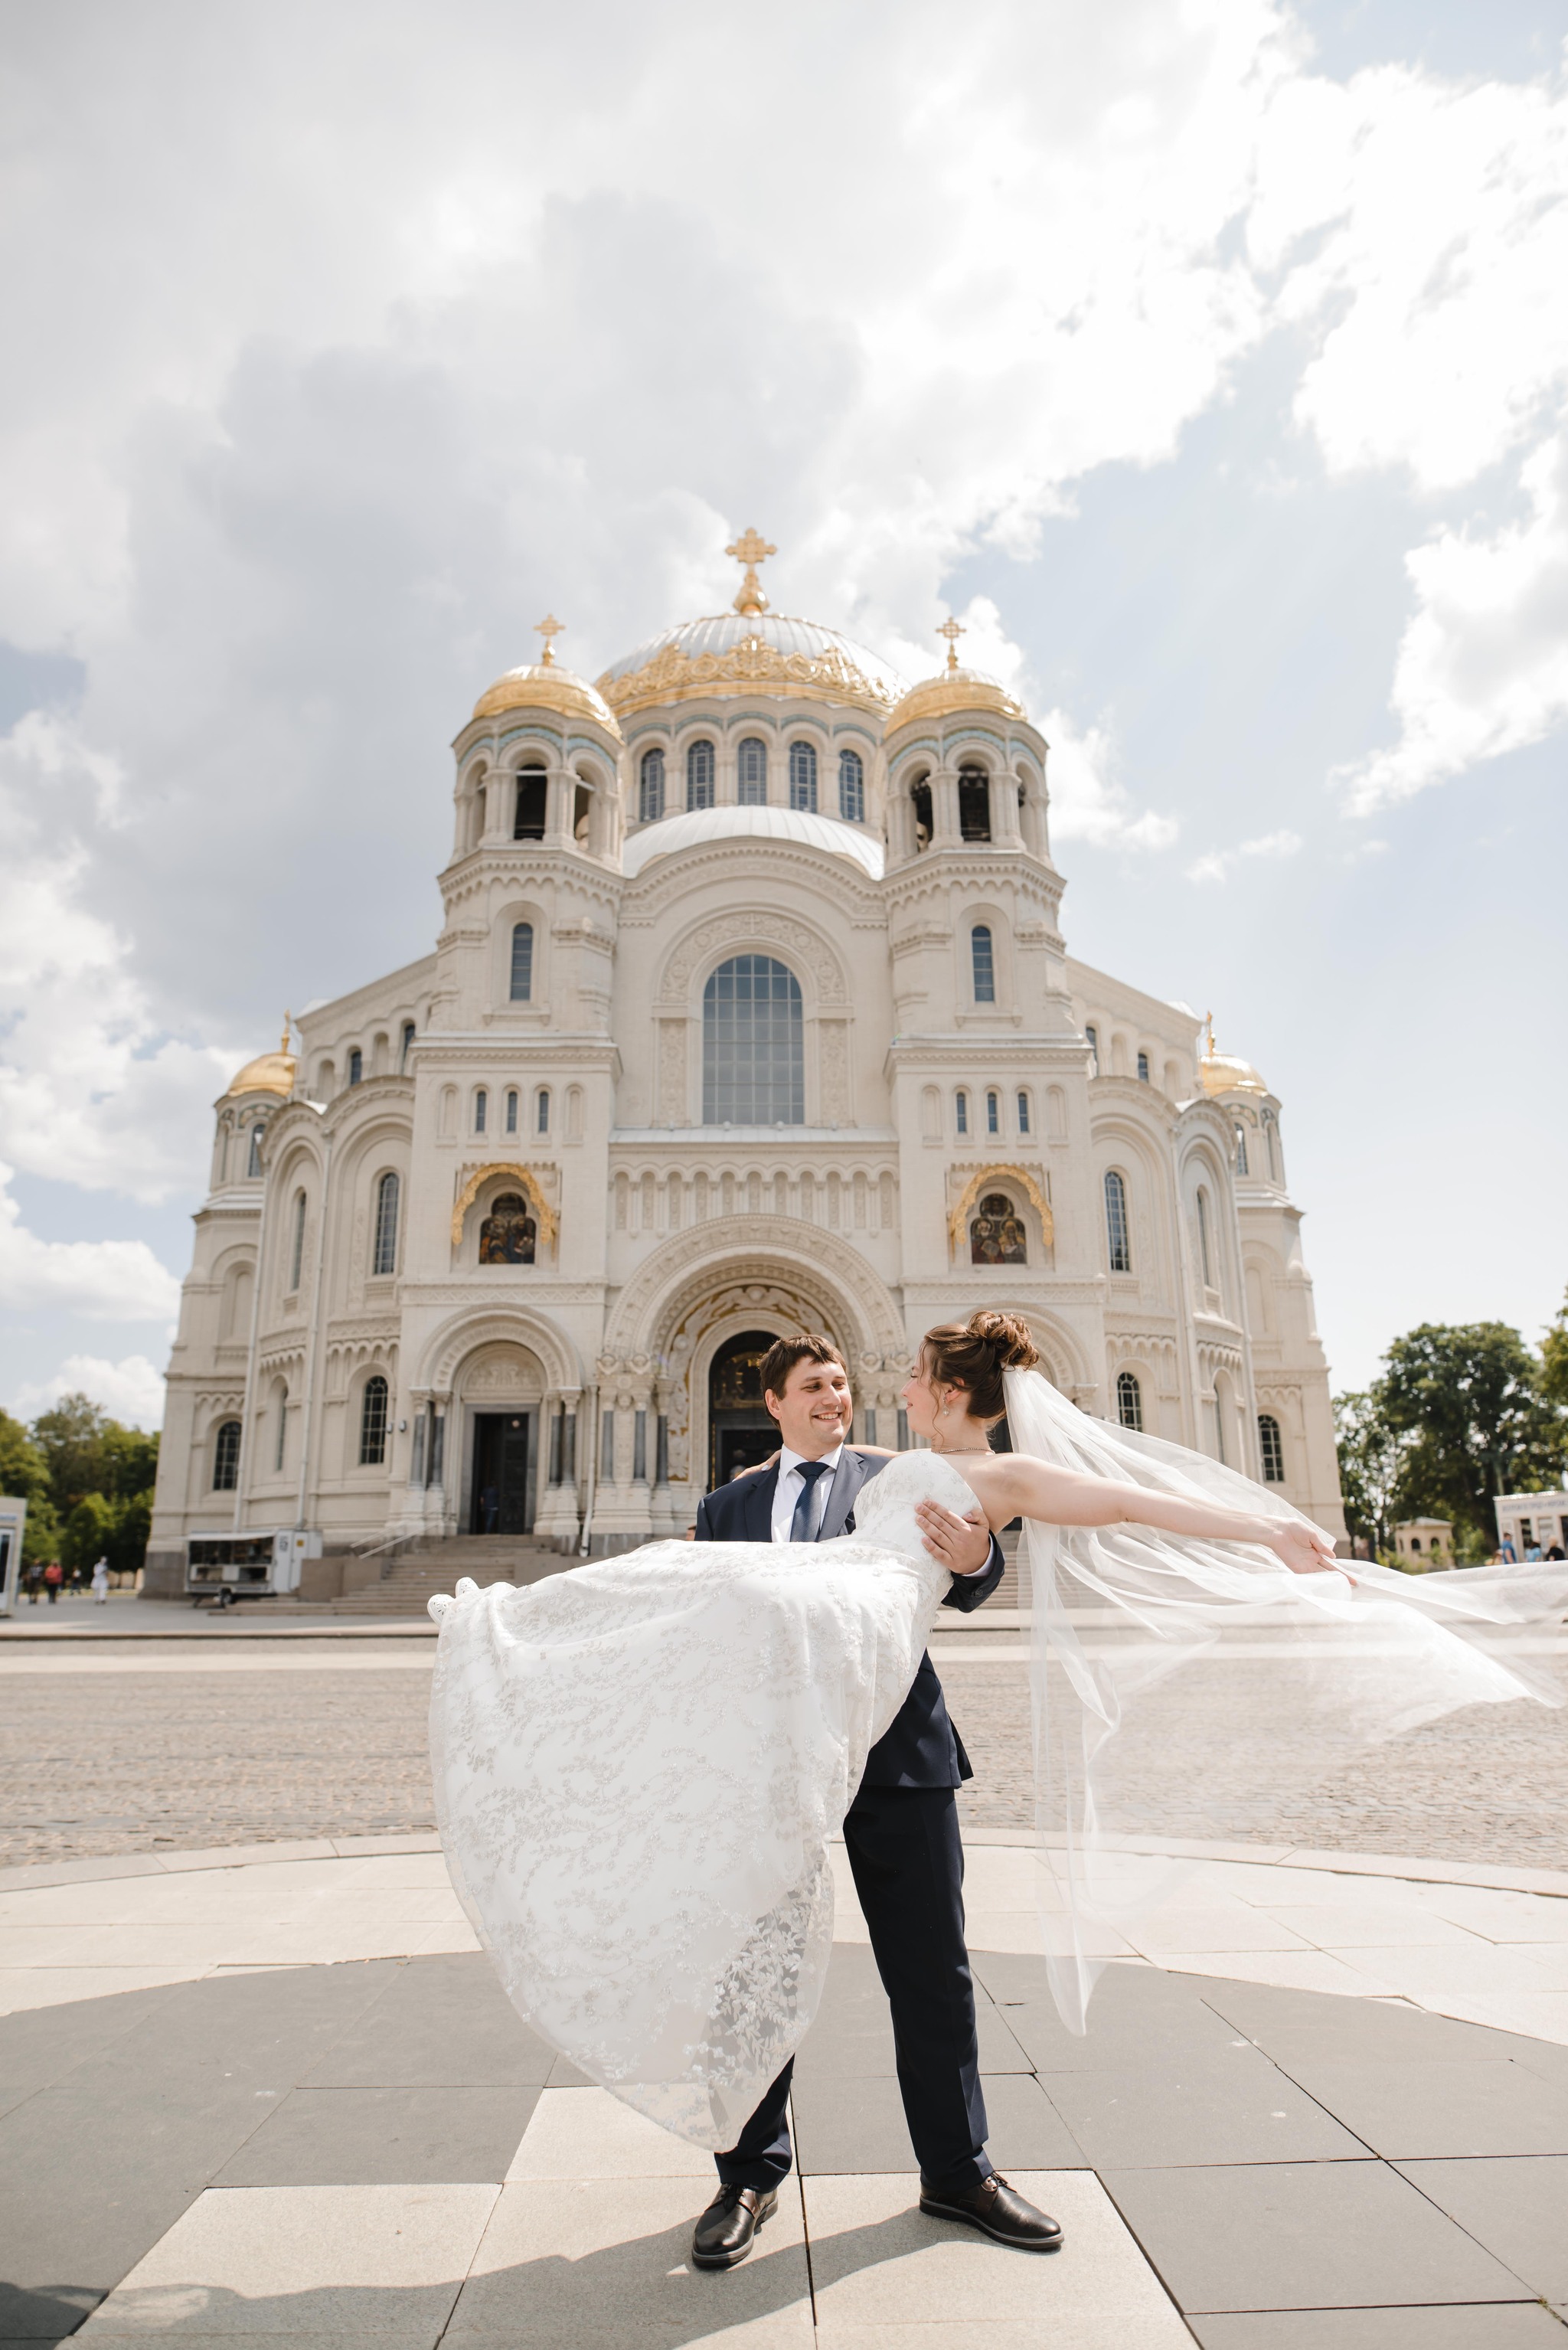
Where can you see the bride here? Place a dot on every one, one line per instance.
(639, 1763)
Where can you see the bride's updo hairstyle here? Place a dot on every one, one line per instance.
(973, 1355)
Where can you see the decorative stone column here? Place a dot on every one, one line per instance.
(555, 1514)
(560, 799)
(946, 828)
(1004, 827)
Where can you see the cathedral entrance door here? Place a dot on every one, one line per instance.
(742, 1432)
(501, 1496)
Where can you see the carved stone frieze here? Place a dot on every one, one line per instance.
(744, 929)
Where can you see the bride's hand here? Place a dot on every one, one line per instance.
(1305, 1548)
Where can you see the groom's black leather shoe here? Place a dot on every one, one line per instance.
(997, 2210)
(727, 2230)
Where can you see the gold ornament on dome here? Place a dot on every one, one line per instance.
(1223, 1073)
(751, 549)
(270, 1073)
(752, 666)
(549, 628)
(543, 684)
(954, 689)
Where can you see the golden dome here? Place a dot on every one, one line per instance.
(1223, 1073)
(953, 689)
(750, 653)
(269, 1072)
(544, 685)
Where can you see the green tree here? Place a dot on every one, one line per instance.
(89, 1530)
(130, 1456)
(71, 1439)
(1371, 1465)
(1555, 1359)
(128, 1540)
(23, 1471)
(1467, 1400)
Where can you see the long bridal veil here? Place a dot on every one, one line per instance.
(1187, 1693)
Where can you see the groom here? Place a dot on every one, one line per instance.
(901, 1833)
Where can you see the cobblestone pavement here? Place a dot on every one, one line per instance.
(135, 1762)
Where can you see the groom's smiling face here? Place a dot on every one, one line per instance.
(815, 1410)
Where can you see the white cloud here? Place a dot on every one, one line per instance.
(131, 1390)
(1219, 864)
(1087, 802)
(107, 1280)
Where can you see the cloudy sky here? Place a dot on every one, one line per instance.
(1208, 357)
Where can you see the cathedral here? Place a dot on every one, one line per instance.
(751, 1012)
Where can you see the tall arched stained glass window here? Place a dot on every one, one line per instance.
(651, 787)
(751, 773)
(1119, 1238)
(803, 776)
(984, 963)
(754, 1058)
(522, 962)
(384, 1258)
(1271, 1449)
(356, 1066)
(227, 1457)
(1129, 1399)
(699, 774)
(851, 787)
(373, 1423)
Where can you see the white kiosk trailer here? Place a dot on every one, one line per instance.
(250, 1566)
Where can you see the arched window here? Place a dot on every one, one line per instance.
(227, 1457)
(699, 774)
(356, 1066)
(753, 1058)
(975, 804)
(542, 1122)
(297, 1242)
(532, 796)
(508, 1233)
(1024, 1124)
(851, 787)
(651, 787)
(522, 962)
(996, 1234)
(994, 1113)
(384, 1258)
(982, 963)
(280, 1405)
(1204, 1259)
(751, 773)
(1117, 1235)
(407, 1046)
(960, 1110)
(481, 1111)
(1143, 1068)
(803, 776)
(373, 1423)
(1270, 1449)
(1241, 1151)
(253, 1164)
(920, 806)
(512, 1111)
(1092, 1038)
(1129, 1399)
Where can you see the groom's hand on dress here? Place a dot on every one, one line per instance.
(962, 1544)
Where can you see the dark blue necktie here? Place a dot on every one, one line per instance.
(808, 1472)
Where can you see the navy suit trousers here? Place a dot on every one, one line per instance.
(907, 1862)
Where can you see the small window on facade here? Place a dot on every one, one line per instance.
(1117, 1235)
(296, 1243)
(533, 793)
(384, 1258)
(356, 1066)
(373, 1423)
(1203, 1254)
(281, 1439)
(982, 963)
(975, 804)
(227, 1457)
(1271, 1450)
(994, 1113)
(544, 1120)
(253, 1164)
(803, 776)
(1241, 1151)
(651, 788)
(512, 1113)
(961, 1107)
(1143, 1068)
(522, 962)
(408, 1032)
(1092, 1038)
(699, 774)
(996, 1235)
(1023, 1126)
(481, 1111)
(508, 1232)
(1129, 1399)
(751, 773)
(851, 787)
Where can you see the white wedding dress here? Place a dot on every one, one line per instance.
(638, 1766)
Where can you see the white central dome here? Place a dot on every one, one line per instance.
(700, 826)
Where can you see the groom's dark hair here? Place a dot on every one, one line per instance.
(806, 1347)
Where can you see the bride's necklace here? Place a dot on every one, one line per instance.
(966, 1451)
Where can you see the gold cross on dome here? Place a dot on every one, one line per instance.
(751, 549)
(549, 628)
(952, 629)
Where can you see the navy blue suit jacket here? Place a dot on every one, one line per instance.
(922, 1749)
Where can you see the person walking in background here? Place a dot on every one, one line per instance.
(54, 1576)
(100, 1582)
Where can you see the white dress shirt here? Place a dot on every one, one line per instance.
(786, 1493)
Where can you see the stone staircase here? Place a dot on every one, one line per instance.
(406, 1579)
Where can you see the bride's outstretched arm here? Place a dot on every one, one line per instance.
(1024, 1487)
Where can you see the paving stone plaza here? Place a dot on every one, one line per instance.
(256, 2077)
